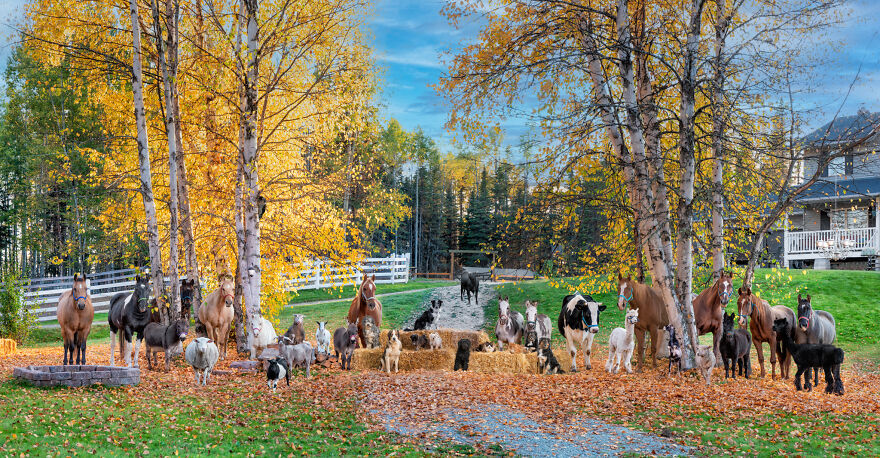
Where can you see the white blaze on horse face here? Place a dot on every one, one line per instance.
(621, 303)
(531, 312)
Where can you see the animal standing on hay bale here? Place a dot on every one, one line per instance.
(538, 326)
(579, 323)
(129, 315)
(216, 312)
(621, 344)
(392, 352)
(463, 355)
(509, 329)
(674, 350)
(547, 362)
(371, 332)
(419, 341)
(277, 369)
(706, 361)
(365, 304)
(470, 284)
(264, 334)
(344, 343)
(164, 339)
(299, 355)
(322, 336)
(814, 326)
(75, 314)
(296, 332)
(653, 315)
(709, 308)
(202, 354)
(808, 356)
(435, 341)
(735, 348)
(759, 316)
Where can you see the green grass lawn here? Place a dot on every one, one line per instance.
(348, 291)
(235, 418)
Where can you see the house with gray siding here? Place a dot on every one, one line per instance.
(836, 224)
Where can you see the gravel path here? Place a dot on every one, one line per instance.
(457, 313)
(496, 424)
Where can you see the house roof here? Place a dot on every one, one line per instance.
(844, 189)
(843, 129)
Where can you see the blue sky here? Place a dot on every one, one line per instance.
(410, 36)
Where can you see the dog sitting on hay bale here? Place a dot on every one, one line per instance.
(448, 337)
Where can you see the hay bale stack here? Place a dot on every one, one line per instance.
(450, 337)
(7, 347)
(505, 362)
(370, 359)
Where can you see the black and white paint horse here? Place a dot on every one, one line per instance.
(579, 323)
(814, 326)
(538, 326)
(509, 329)
(129, 315)
(470, 284)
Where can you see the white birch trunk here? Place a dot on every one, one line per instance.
(171, 133)
(137, 90)
(718, 113)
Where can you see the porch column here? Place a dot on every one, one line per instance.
(785, 241)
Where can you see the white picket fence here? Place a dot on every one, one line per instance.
(42, 294)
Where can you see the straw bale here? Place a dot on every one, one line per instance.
(450, 337)
(7, 347)
(370, 358)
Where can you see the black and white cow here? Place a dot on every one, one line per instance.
(579, 323)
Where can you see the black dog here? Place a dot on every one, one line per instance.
(463, 355)
(547, 362)
(428, 317)
(419, 341)
(807, 356)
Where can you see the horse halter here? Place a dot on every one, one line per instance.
(725, 295)
(751, 309)
(584, 320)
(625, 299)
(805, 317)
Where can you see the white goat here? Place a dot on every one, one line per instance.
(322, 336)
(264, 335)
(202, 354)
(620, 344)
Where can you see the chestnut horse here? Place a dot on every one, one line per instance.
(760, 316)
(652, 314)
(216, 312)
(365, 304)
(75, 314)
(709, 309)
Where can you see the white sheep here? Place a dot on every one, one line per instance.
(264, 334)
(202, 354)
(322, 336)
(620, 344)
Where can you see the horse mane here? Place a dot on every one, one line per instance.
(760, 309)
(356, 304)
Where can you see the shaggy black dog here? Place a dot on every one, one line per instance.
(734, 347)
(463, 355)
(807, 356)
(547, 362)
(419, 341)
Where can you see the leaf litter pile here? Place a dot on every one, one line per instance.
(352, 413)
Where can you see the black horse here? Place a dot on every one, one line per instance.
(129, 315)
(470, 284)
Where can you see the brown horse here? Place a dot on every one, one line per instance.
(216, 312)
(75, 314)
(652, 314)
(759, 315)
(709, 309)
(365, 304)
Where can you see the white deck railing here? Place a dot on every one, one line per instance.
(42, 294)
(820, 244)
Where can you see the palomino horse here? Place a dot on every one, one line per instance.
(129, 315)
(365, 304)
(814, 326)
(652, 314)
(709, 309)
(216, 312)
(760, 316)
(75, 314)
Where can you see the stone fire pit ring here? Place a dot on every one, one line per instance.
(73, 375)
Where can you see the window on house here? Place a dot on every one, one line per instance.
(838, 166)
(849, 218)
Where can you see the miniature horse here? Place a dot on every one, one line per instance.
(365, 304)
(759, 316)
(709, 308)
(734, 347)
(129, 315)
(75, 314)
(653, 315)
(809, 356)
(815, 326)
(470, 284)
